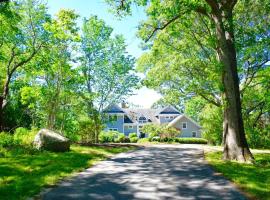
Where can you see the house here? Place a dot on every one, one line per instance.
(131, 120)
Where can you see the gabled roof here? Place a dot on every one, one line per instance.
(172, 123)
(132, 114)
(149, 114)
(113, 109)
(169, 110)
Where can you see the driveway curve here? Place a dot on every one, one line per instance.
(159, 172)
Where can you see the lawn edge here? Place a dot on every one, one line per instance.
(72, 175)
(239, 187)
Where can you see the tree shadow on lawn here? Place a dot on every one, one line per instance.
(252, 178)
(24, 175)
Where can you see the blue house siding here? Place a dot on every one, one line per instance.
(163, 119)
(116, 124)
(128, 130)
(190, 128)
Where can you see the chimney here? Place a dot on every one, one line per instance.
(123, 104)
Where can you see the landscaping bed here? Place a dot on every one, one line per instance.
(254, 179)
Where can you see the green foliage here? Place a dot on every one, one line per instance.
(131, 135)
(143, 140)
(24, 136)
(122, 138)
(134, 139)
(211, 121)
(108, 136)
(24, 173)
(191, 140)
(162, 131)
(252, 178)
(6, 139)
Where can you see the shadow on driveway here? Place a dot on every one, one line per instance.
(157, 172)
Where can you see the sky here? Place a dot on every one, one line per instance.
(127, 26)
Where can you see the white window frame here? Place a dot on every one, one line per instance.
(113, 129)
(193, 133)
(183, 125)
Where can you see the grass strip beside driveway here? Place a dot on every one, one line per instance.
(24, 172)
(253, 179)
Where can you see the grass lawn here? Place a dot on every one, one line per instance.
(23, 172)
(252, 178)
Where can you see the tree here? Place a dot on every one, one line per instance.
(52, 78)
(218, 46)
(106, 68)
(22, 41)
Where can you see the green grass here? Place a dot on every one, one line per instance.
(24, 171)
(254, 179)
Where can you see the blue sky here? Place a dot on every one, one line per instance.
(126, 26)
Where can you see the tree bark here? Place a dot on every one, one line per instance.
(234, 140)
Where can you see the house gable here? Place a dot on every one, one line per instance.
(169, 110)
(113, 109)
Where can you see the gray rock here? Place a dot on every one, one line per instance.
(51, 141)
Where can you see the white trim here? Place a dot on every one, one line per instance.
(173, 122)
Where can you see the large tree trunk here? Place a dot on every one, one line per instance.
(234, 140)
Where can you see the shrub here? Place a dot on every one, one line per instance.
(143, 140)
(122, 138)
(134, 139)
(131, 135)
(191, 140)
(108, 136)
(24, 136)
(163, 131)
(155, 139)
(6, 139)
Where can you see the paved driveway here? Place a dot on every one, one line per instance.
(155, 172)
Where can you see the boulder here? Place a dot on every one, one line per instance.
(51, 141)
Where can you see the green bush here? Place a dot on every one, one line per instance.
(6, 139)
(155, 139)
(131, 135)
(108, 136)
(163, 131)
(121, 138)
(190, 140)
(134, 139)
(24, 136)
(143, 140)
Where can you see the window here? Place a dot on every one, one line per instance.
(167, 117)
(140, 126)
(112, 118)
(113, 129)
(184, 125)
(130, 127)
(171, 117)
(194, 134)
(142, 120)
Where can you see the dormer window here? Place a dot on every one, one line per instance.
(142, 120)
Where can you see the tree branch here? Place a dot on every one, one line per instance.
(162, 27)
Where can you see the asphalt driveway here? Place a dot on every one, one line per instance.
(157, 172)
